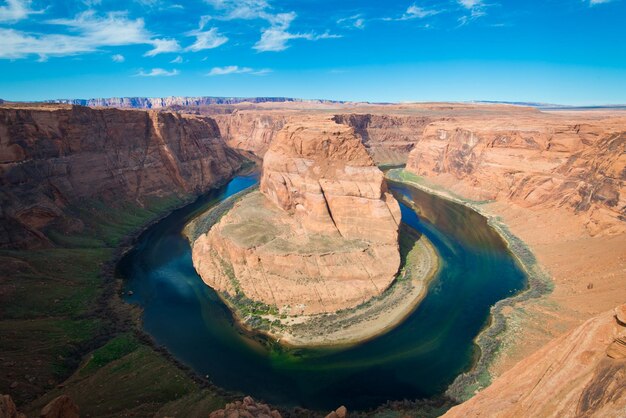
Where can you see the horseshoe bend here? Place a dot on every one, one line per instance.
(340, 262)
(321, 236)
(312, 209)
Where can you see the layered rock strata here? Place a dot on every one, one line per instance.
(320, 237)
(533, 163)
(581, 374)
(250, 131)
(52, 157)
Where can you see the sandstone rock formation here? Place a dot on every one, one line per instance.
(534, 162)
(52, 157)
(321, 174)
(8, 408)
(388, 138)
(340, 412)
(251, 131)
(321, 237)
(570, 377)
(60, 407)
(557, 180)
(248, 408)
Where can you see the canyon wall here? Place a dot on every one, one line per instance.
(579, 167)
(54, 157)
(388, 138)
(321, 237)
(250, 131)
(557, 182)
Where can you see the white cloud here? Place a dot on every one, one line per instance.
(234, 69)
(118, 58)
(470, 4)
(273, 38)
(475, 14)
(413, 12)
(594, 2)
(476, 9)
(206, 39)
(16, 10)
(177, 60)
(114, 29)
(356, 21)
(87, 32)
(158, 72)
(241, 9)
(163, 46)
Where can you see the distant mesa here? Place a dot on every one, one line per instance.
(164, 102)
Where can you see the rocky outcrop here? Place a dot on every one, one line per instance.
(8, 408)
(248, 408)
(321, 237)
(536, 162)
(573, 376)
(53, 157)
(321, 174)
(387, 138)
(341, 412)
(60, 407)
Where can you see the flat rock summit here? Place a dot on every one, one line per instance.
(320, 236)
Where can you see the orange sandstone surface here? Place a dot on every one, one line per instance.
(580, 374)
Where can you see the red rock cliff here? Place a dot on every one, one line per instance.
(53, 156)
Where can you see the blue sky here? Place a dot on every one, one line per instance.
(557, 51)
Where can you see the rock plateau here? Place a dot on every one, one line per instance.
(320, 237)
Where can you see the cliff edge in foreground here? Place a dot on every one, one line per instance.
(580, 374)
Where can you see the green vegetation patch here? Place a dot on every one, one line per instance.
(115, 349)
(125, 378)
(105, 224)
